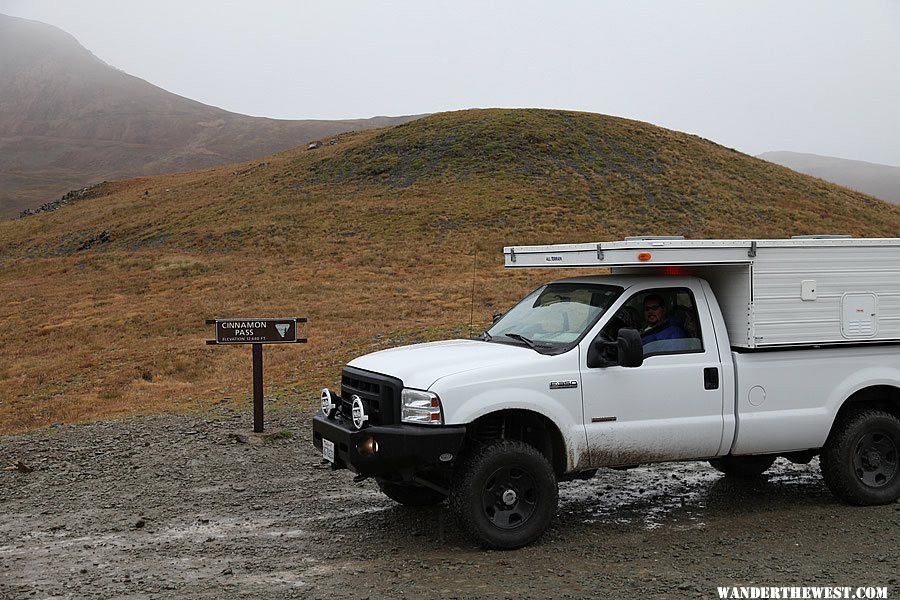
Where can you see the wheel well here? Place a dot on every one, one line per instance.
(882, 397)
(525, 426)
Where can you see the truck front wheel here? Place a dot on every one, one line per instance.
(742, 467)
(505, 495)
(860, 459)
(411, 495)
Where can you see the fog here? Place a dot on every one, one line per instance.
(820, 76)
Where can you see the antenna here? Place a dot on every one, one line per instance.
(472, 308)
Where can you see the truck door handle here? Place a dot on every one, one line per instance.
(711, 378)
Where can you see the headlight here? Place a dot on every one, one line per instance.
(420, 407)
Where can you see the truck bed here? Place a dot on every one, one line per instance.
(786, 400)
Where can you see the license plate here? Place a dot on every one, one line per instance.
(328, 450)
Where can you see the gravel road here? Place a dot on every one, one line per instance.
(177, 507)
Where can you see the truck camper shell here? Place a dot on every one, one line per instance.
(803, 291)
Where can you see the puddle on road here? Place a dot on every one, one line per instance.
(684, 495)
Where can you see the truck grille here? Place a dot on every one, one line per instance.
(380, 393)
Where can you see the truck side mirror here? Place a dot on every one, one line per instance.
(629, 351)
(496, 317)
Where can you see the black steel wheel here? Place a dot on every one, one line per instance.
(743, 467)
(861, 459)
(875, 459)
(411, 495)
(509, 496)
(505, 495)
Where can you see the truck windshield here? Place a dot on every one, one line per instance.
(554, 317)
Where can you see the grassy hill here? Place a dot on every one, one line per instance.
(376, 239)
(67, 119)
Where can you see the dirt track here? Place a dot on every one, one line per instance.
(174, 506)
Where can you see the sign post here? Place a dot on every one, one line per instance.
(257, 389)
(257, 332)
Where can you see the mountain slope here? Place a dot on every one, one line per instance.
(881, 181)
(67, 120)
(385, 237)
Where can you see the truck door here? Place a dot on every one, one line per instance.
(669, 408)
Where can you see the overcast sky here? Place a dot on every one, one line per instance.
(820, 76)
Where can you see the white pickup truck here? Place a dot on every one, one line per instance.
(731, 351)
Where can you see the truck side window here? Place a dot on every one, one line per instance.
(666, 319)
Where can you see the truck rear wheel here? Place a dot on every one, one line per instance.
(411, 495)
(860, 459)
(742, 467)
(505, 495)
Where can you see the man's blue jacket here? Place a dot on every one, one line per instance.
(669, 331)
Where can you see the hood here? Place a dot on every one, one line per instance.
(421, 365)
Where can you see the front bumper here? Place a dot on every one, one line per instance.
(403, 450)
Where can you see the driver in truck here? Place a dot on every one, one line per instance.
(659, 326)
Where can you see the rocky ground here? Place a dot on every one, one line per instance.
(177, 507)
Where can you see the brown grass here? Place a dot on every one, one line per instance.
(375, 256)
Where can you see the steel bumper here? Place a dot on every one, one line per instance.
(402, 450)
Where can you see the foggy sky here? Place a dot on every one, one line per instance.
(819, 76)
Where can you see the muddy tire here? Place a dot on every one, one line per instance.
(742, 467)
(411, 495)
(504, 495)
(860, 459)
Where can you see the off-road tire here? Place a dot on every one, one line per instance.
(504, 495)
(860, 459)
(743, 467)
(411, 495)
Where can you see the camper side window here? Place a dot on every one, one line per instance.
(666, 319)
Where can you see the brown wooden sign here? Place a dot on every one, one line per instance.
(257, 331)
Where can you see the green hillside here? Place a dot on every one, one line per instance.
(376, 238)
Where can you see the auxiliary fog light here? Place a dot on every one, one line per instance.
(367, 446)
(329, 402)
(358, 412)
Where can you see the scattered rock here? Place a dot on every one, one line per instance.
(244, 438)
(19, 466)
(92, 191)
(257, 439)
(100, 238)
